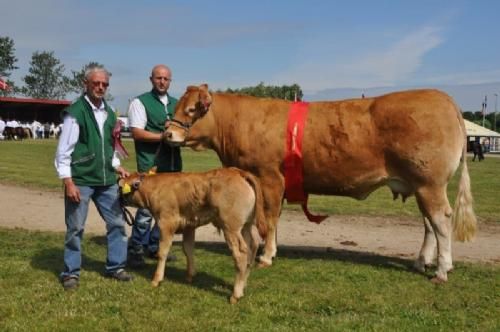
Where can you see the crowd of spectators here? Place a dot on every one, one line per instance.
(16, 130)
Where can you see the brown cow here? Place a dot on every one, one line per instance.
(411, 141)
(229, 198)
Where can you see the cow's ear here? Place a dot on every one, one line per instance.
(121, 182)
(205, 97)
(191, 88)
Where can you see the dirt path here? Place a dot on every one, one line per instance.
(40, 210)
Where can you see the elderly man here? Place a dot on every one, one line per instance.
(87, 164)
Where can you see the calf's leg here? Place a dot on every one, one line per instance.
(239, 251)
(166, 237)
(188, 248)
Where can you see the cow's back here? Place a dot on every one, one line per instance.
(352, 146)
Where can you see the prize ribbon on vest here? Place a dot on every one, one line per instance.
(117, 141)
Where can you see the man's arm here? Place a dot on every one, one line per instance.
(137, 122)
(62, 162)
(139, 134)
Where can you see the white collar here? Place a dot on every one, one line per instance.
(94, 108)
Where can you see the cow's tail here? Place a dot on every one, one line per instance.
(260, 218)
(464, 219)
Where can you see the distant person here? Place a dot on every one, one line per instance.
(87, 164)
(46, 130)
(148, 115)
(52, 131)
(486, 145)
(477, 149)
(2, 127)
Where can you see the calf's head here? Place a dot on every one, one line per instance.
(129, 188)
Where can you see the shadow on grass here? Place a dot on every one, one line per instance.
(51, 259)
(327, 254)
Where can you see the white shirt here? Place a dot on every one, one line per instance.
(2, 126)
(13, 124)
(137, 116)
(69, 138)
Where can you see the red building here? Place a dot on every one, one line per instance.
(28, 110)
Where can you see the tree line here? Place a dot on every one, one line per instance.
(47, 79)
(287, 92)
(491, 120)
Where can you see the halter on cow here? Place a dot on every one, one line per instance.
(411, 141)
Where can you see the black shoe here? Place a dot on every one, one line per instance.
(70, 282)
(136, 261)
(120, 275)
(154, 255)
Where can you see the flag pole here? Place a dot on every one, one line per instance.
(484, 107)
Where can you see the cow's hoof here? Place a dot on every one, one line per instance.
(263, 265)
(155, 283)
(263, 262)
(437, 280)
(233, 299)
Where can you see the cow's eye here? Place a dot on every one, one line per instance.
(191, 111)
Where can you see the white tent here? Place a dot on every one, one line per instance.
(489, 138)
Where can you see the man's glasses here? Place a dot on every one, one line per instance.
(104, 84)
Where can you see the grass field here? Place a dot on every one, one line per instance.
(303, 291)
(30, 163)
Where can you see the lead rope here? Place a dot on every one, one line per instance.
(127, 215)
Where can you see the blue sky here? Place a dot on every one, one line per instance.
(321, 45)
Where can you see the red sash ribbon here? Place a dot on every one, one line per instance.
(293, 166)
(117, 142)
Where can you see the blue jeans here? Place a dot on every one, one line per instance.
(142, 235)
(106, 201)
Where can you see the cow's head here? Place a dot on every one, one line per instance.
(193, 106)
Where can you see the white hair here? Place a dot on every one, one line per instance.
(94, 69)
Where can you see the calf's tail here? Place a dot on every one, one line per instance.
(464, 219)
(260, 217)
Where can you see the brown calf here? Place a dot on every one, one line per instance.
(229, 198)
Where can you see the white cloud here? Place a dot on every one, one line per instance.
(475, 77)
(376, 67)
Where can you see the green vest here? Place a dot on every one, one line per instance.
(93, 154)
(167, 159)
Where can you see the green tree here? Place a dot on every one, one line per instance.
(7, 64)
(288, 92)
(46, 77)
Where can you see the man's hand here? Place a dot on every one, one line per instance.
(122, 172)
(71, 190)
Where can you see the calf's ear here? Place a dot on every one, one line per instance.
(121, 182)
(136, 184)
(152, 171)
